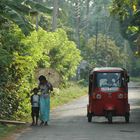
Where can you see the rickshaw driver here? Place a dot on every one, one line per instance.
(108, 82)
(114, 80)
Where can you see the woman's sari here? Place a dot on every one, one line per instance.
(44, 108)
(44, 103)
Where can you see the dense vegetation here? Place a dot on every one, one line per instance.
(128, 15)
(67, 40)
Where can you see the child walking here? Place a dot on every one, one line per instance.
(35, 106)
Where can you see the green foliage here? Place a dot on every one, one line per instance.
(21, 55)
(5, 59)
(17, 12)
(64, 55)
(36, 6)
(11, 10)
(45, 22)
(17, 73)
(106, 53)
(128, 14)
(4, 130)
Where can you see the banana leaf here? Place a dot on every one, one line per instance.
(39, 7)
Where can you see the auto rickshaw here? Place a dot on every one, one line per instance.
(108, 93)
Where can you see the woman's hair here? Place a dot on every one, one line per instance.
(42, 77)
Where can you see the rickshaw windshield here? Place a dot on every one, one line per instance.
(108, 79)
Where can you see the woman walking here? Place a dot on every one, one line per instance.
(45, 88)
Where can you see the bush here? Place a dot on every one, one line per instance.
(20, 56)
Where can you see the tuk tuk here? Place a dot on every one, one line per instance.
(108, 93)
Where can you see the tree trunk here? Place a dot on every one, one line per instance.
(37, 16)
(55, 14)
(77, 9)
(96, 41)
(87, 19)
(87, 10)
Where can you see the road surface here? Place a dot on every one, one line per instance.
(69, 122)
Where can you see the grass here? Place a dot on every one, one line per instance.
(68, 94)
(6, 130)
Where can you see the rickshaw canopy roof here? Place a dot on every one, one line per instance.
(107, 69)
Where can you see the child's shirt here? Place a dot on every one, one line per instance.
(35, 100)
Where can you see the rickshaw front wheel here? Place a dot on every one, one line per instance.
(89, 117)
(109, 116)
(127, 115)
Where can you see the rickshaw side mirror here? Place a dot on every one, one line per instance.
(127, 79)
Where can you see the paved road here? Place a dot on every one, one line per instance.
(69, 122)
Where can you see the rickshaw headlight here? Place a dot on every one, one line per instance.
(120, 96)
(98, 96)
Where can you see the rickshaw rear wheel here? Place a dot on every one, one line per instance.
(89, 117)
(109, 116)
(127, 115)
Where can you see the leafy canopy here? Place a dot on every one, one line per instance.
(18, 11)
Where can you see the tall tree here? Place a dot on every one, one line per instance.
(55, 14)
(77, 11)
(128, 13)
